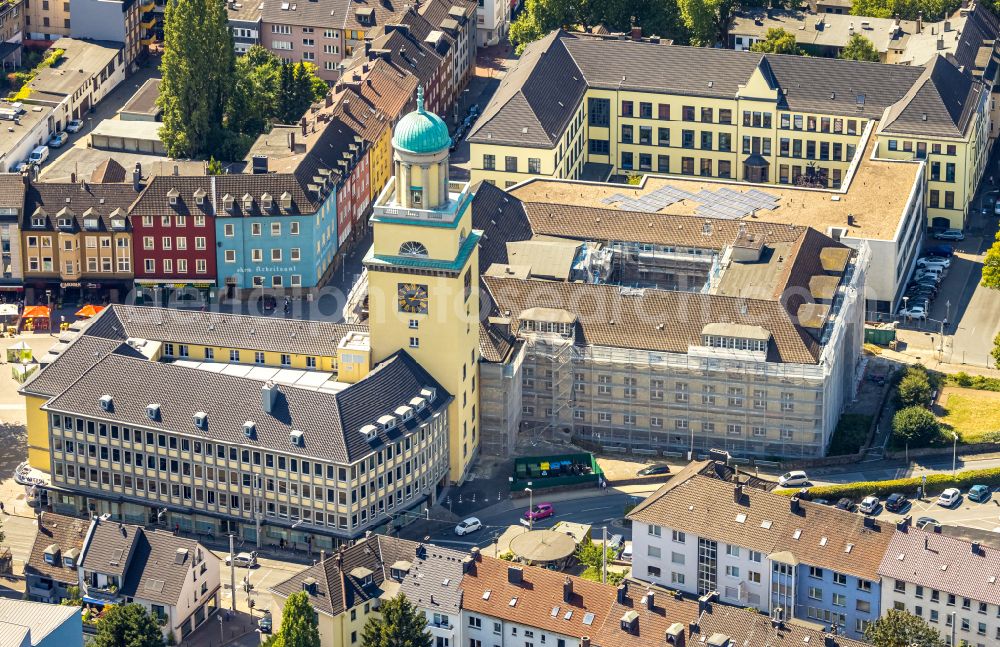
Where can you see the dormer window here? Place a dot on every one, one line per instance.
(38, 221)
(199, 196)
(90, 223)
(65, 223)
(172, 196)
(247, 202)
(51, 555)
(286, 201)
(266, 201)
(227, 202)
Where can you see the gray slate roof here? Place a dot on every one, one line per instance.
(81, 354)
(336, 589)
(541, 94)
(434, 579)
(943, 563)
(211, 328)
(330, 422)
(940, 103)
(108, 547)
(154, 200)
(11, 191)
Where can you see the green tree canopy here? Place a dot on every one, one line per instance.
(539, 17)
(777, 41)
(399, 624)
(901, 629)
(127, 626)
(860, 48)
(991, 266)
(914, 389)
(916, 426)
(932, 10)
(299, 627)
(995, 353)
(707, 21)
(198, 69)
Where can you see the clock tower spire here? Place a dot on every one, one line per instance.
(423, 274)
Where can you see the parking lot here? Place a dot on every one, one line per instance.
(982, 516)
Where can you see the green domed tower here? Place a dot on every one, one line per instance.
(421, 132)
(420, 145)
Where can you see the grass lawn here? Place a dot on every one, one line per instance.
(974, 415)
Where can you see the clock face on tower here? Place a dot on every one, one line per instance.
(412, 298)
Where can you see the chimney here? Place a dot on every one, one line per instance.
(903, 524)
(737, 493)
(940, 42)
(269, 396)
(322, 555)
(467, 563)
(304, 124)
(975, 548)
(794, 504)
(72, 178)
(636, 33)
(137, 176)
(584, 641)
(937, 528)
(622, 592)
(328, 99)
(515, 575)
(705, 602)
(650, 600)
(920, 21)
(477, 556)
(291, 141)
(869, 522)
(567, 590)
(368, 49)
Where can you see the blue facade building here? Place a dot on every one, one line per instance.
(273, 233)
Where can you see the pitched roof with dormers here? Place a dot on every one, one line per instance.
(330, 422)
(53, 200)
(186, 190)
(67, 534)
(815, 534)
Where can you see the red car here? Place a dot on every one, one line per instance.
(540, 511)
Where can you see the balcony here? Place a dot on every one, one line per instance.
(108, 593)
(148, 22)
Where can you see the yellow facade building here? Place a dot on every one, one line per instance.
(422, 273)
(580, 108)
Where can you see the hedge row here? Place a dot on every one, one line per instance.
(935, 484)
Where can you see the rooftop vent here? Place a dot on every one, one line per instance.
(153, 411)
(515, 574)
(309, 586)
(269, 396)
(180, 556)
(201, 420)
(297, 438)
(107, 403)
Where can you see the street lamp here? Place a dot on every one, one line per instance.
(954, 451)
(531, 517)
(48, 302)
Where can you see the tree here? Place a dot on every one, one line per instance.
(991, 266)
(914, 389)
(398, 624)
(778, 41)
(995, 353)
(198, 68)
(915, 426)
(860, 48)
(901, 629)
(707, 21)
(127, 626)
(299, 627)
(905, 9)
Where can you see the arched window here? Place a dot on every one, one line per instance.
(412, 248)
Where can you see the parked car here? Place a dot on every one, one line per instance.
(58, 139)
(794, 478)
(979, 493)
(896, 502)
(822, 501)
(22, 166)
(950, 234)
(245, 560)
(924, 522)
(652, 470)
(845, 504)
(540, 511)
(39, 155)
(616, 543)
(869, 505)
(627, 552)
(934, 272)
(944, 251)
(934, 261)
(914, 312)
(265, 624)
(74, 125)
(949, 498)
(464, 527)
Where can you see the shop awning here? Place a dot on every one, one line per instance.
(8, 309)
(35, 312)
(89, 311)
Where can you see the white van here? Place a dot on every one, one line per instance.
(39, 155)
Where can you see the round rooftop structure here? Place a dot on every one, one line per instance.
(421, 132)
(542, 546)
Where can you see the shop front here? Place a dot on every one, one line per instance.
(154, 292)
